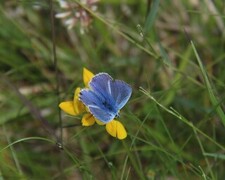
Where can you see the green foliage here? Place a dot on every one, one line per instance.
(171, 52)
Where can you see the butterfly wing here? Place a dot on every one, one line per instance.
(95, 102)
(116, 91)
(106, 96)
(102, 115)
(120, 91)
(100, 83)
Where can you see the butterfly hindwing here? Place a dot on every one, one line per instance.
(101, 114)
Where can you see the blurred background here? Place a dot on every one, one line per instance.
(175, 122)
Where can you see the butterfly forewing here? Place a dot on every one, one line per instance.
(99, 83)
(88, 97)
(121, 92)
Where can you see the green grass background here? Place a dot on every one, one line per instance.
(172, 54)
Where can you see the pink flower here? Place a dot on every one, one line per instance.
(74, 13)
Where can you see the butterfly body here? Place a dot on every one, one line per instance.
(105, 97)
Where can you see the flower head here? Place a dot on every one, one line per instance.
(76, 14)
(76, 107)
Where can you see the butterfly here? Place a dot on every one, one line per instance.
(105, 97)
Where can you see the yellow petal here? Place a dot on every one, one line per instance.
(99, 122)
(88, 120)
(87, 76)
(78, 105)
(68, 107)
(116, 129)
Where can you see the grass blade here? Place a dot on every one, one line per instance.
(212, 97)
(151, 16)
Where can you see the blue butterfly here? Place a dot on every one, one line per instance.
(105, 97)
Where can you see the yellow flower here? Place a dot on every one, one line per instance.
(87, 76)
(76, 107)
(116, 129)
